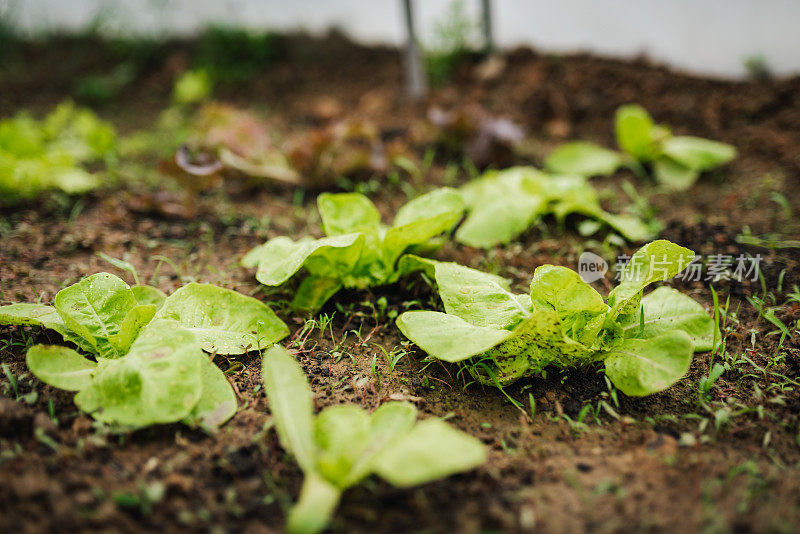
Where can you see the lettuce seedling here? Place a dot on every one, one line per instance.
(677, 160)
(344, 444)
(646, 343)
(503, 204)
(145, 362)
(36, 156)
(359, 251)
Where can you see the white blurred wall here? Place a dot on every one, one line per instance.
(712, 37)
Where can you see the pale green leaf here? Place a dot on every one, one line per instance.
(411, 263)
(314, 292)
(698, 154)
(644, 366)
(23, 313)
(224, 321)
(341, 434)
(217, 401)
(95, 309)
(421, 219)
(430, 451)
(562, 289)
(281, 257)
(158, 381)
(60, 367)
(388, 423)
(584, 159)
(136, 319)
(149, 295)
(667, 309)
(253, 256)
(630, 227)
(479, 298)
(291, 403)
(447, 337)
(501, 205)
(658, 260)
(315, 507)
(572, 194)
(442, 202)
(674, 175)
(536, 342)
(636, 132)
(345, 213)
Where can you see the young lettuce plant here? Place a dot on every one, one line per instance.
(359, 251)
(677, 160)
(36, 156)
(503, 204)
(343, 445)
(144, 361)
(646, 343)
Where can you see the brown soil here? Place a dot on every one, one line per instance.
(663, 463)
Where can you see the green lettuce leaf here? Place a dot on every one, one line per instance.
(158, 381)
(479, 298)
(584, 159)
(346, 213)
(43, 316)
(344, 444)
(23, 313)
(667, 309)
(217, 401)
(501, 205)
(359, 251)
(291, 404)
(280, 258)
(636, 132)
(314, 292)
(448, 337)
(674, 175)
(419, 220)
(224, 321)
(95, 309)
(659, 260)
(641, 367)
(430, 451)
(149, 295)
(565, 322)
(37, 156)
(60, 367)
(698, 154)
(341, 435)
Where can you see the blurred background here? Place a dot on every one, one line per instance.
(711, 37)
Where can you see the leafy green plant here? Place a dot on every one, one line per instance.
(144, 361)
(676, 160)
(503, 204)
(646, 343)
(36, 156)
(343, 445)
(359, 251)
